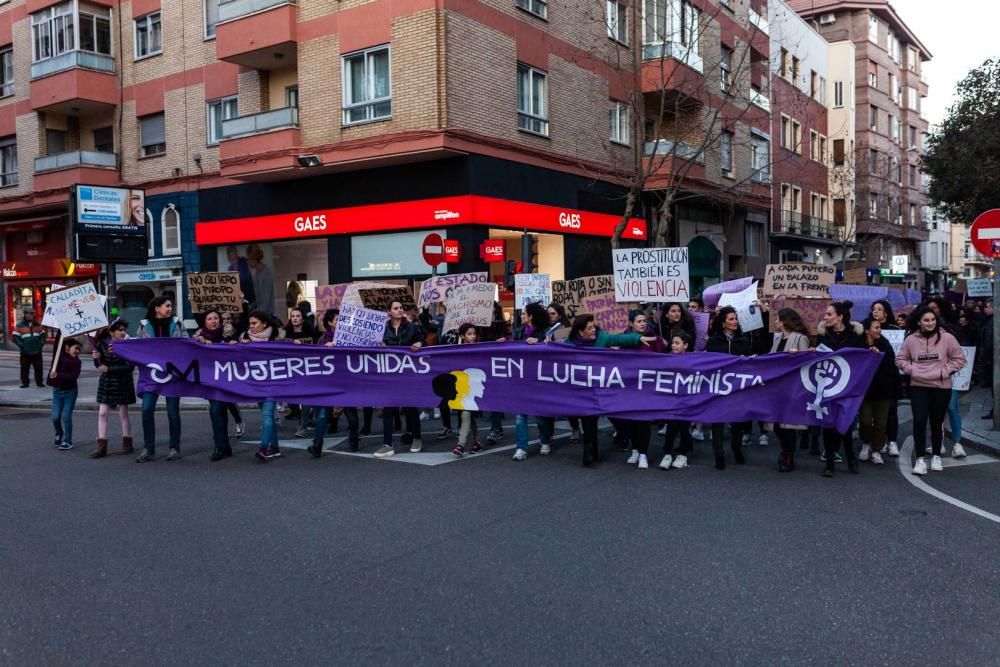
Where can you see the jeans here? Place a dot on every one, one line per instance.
(63, 402)
(29, 361)
(928, 404)
(268, 424)
(676, 427)
(389, 415)
(954, 416)
(496, 421)
(149, 400)
(218, 413)
(546, 427)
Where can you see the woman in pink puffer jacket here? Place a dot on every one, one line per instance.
(930, 356)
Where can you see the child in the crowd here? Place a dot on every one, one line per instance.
(469, 430)
(63, 379)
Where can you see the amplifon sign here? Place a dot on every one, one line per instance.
(421, 213)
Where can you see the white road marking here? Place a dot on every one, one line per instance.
(972, 460)
(906, 471)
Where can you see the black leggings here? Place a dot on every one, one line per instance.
(234, 410)
(676, 428)
(928, 403)
(736, 438)
(832, 441)
(637, 433)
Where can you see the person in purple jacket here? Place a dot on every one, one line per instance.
(63, 379)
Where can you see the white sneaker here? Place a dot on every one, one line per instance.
(958, 452)
(546, 450)
(696, 434)
(663, 430)
(241, 428)
(417, 446)
(520, 454)
(763, 440)
(424, 416)
(666, 461)
(877, 458)
(920, 467)
(866, 453)
(632, 460)
(643, 462)
(746, 440)
(384, 451)
(680, 462)
(936, 464)
(893, 449)
(437, 413)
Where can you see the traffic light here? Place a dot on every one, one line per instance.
(509, 269)
(529, 253)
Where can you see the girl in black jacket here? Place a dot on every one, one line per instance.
(400, 332)
(115, 389)
(880, 396)
(725, 337)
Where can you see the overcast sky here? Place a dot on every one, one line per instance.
(960, 34)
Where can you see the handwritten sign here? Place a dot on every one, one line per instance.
(856, 276)
(811, 311)
(653, 275)
(215, 289)
(381, 298)
(609, 315)
(75, 310)
(979, 287)
(571, 293)
(329, 296)
(359, 327)
(962, 380)
(353, 297)
(713, 293)
(437, 289)
(749, 313)
(800, 279)
(532, 288)
(470, 304)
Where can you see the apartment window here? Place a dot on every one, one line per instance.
(873, 118)
(813, 144)
(814, 206)
(367, 87)
(913, 215)
(170, 223)
(211, 17)
(52, 32)
(838, 151)
(795, 70)
(912, 59)
(152, 135)
(536, 7)
(148, 36)
(822, 149)
(218, 111)
(726, 154)
(725, 68)
(893, 88)
(839, 212)
(913, 106)
(786, 197)
(796, 137)
(6, 72)
(796, 199)
(617, 21)
(873, 206)
(95, 31)
(292, 96)
(783, 63)
(822, 91)
(872, 162)
(913, 137)
(753, 238)
(897, 129)
(760, 152)
(532, 100)
(618, 117)
(785, 140)
(104, 140)
(872, 29)
(673, 21)
(897, 171)
(55, 142)
(813, 84)
(8, 161)
(872, 74)
(838, 94)
(895, 49)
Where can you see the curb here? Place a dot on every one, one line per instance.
(980, 444)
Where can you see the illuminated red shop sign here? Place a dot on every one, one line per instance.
(47, 268)
(445, 211)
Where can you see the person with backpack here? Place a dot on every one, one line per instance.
(160, 322)
(63, 380)
(115, 388)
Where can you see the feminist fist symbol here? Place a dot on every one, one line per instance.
(825, 379)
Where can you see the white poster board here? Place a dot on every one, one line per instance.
(532, 288)
(979, 287)
(651, 275)
(359, 327)
(75, 310)
(437, 289)
(472, 303)
(962, 380)
(750, 315)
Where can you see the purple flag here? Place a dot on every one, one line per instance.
(808, 388)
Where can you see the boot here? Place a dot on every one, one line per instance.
(316, 449)
(126, 445)
(102, 449)
(588, 454)
(785, 462)
(720, 462)
(738, 452)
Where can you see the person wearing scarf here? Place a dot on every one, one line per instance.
(262, 329)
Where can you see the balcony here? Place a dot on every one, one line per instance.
(70, 60)
(758, 21)
(75, 159)
(74, 82)
(260, 34)
(259, 143)
(671, 148)
(663, 50)
(806, 227)
(879, 227)
(266, 121)
(53, 172)
(917, 232)
(760, 99)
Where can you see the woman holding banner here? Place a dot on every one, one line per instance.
(794, 337)
(213, 333)
(835, 332)
(400, 332)
(726, 337)
(535, 330)
(637, 432)
(160, 322)
(262, 329)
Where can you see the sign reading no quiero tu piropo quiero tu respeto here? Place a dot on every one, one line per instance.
(655, 275)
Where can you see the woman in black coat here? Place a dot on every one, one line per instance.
(880, 397)
(115, 388)
(725, 337)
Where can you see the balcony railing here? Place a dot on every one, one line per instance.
(760, 99)
(800, 224)
(675, 50)
(670, 147)
(758, 21)
(234, 9)
(71, 59)
(75, 159)
(276, 119)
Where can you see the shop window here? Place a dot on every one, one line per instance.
(218, 111)
(170, 223)
(367, 86)
(532, 100)
(148, 35)
(8, 161)
(152, 135)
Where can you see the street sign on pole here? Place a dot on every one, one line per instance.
(985, 233)
(433, 249)
(900, 264)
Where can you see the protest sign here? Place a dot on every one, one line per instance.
(962, 380)
(381, 298)
(979, 287)
(712, 293)
(471, 303)
(700, 330)
(800, 279)
(749, 313)
(352, 296)
(215, 289)
(861, 296)
(571, 293)
(329, 296)
(437, 289)
(653, 275)
(75, 310)
(856, 276)
(895, 339)
(912, 296)
(609, 315)
(811, 311)
(359, 327)
(532, 288)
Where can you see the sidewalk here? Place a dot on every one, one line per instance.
(977, 432)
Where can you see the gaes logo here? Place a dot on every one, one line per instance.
(825, 379)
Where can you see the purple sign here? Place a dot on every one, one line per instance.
(808, 388)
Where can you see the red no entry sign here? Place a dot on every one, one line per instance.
(985, 233)
(433, 249)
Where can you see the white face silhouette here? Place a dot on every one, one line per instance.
(477, 384)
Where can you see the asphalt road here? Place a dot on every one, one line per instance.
(348, 560)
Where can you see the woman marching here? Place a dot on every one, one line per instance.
(882, 313)
(676, 319)
(63, 379)
(300, 330)
(929, 356)
(879, 398)
(677, 458)
(794, 337)
(636, 431)
(584, 333)
(725, 337)
(160, 322)
(400, 332)
(263, 328)
(213, 333)
(115, 388)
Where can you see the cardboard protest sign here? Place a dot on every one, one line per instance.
(609, 315)
(471, 303)
(329, 296)
(437, 289)
(712, 293)
(700, 330)
(381, 298)
(979, 287)
(653, 275)
(352, 296)
(800, 279)
(962, 380)
(749, 313)
(75, 310)
(811, 311)
(359, 327)
(571, 293)
(215, 289)
(532, 288)
(856, 276)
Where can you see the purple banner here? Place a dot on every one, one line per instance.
(808, 388)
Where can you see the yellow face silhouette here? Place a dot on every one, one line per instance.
(469, 385)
